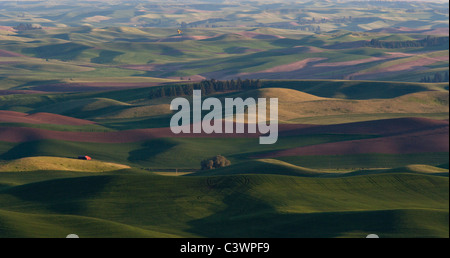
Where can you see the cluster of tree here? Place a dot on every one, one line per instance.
(290, 26)
(206, 86)
(429, 41)
(438, 77)
(303, 21)
(218, 161)
(310, 28)
(206, 23)
(26, 26)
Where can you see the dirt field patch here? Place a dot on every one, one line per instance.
(40, 118)
(435, 140)
(4, 53)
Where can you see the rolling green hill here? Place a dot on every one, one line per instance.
(367, 161)
(59, 164)
(263, 166)
(399, 205)
(415, 169)
(277, 167)
(420, 169)
(102, 54)
(97, 78)
(169, 153)
(300, 101)
(295, 106)
(354, 89)
(23, 225)
(85, 107)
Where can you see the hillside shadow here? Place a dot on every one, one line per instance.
(22, 150)
(139, 123)
(66, 196)
(170, 51)
(248, 217)
(150, 149)
(106, 57)
(64, 51)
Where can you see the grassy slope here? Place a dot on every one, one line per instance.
(352, 118)
(62, 164)
(414, 169)
(277, 167)
(399, 205)
(295, 105)
(164, 153)
(301, 101)
(355, 89)
(16, 224)
(354, 162)
(263, 166)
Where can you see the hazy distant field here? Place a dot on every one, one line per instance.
(363, 119)
(96, 59)
(300, 15)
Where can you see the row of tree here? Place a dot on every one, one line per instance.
(304, 21)
(429, 41)
(206, 23)
(309, 28)
(438, 77)
(206, 86)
